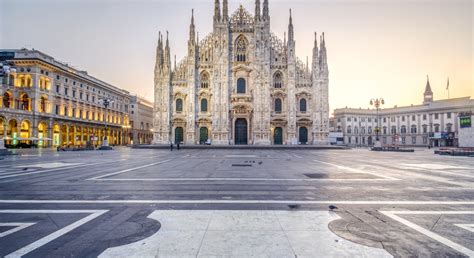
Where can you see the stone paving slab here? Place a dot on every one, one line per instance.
(250, 233)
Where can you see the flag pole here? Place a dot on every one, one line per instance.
(447, 87)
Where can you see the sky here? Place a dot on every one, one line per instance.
(376, 48)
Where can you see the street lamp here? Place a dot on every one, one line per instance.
(105, 102)
(5, 70)
(377, 103)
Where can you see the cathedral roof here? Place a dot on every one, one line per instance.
(241, 18)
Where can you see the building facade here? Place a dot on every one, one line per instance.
(49, 104)
(241, 85)
(141, 120)
(434, 123)
(466, 131)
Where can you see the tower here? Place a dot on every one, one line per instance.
(292, 79)
(428, 94)
(162, 108)
(320, 80)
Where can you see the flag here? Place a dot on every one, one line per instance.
(447, 86)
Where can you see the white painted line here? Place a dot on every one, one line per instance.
(20, 173)
(235, 202)
(468, 227)
(18, 226)
(241, 156)
(27, 249)
(127, 170)
(434, 212)
(50, 165)
(356, 170)
(428, 233)
(53, 169)
(238, 179)
(434, 166)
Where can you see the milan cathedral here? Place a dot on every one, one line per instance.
(241, 85)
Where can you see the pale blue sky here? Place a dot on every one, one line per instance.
(376, 48)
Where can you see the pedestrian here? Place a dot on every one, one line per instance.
(171, 147)
(177, 146)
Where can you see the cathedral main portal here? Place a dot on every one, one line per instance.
(241, 129)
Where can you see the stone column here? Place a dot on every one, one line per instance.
(2, 141)
(67, 135)
(50, 133)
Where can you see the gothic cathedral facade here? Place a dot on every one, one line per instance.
(241, 85)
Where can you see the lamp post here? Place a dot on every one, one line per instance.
(5, 70)
(105, 142)
(377, 103)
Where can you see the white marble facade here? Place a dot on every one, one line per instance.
(241, 85)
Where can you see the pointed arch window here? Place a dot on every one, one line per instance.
(241, 86)
(204, 80)
(179, 105)
(303, 105)
(277, 80)
(278, 106)
(203, 105)
(241, 49)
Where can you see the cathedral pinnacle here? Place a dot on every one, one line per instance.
(266, 14)
(159, 52)
(225, 11)
(291, 34)
(323, 65)
(217, 11)
(192, 29)
(315, 53)
(167, 57)
(315, 40)
(257, 10)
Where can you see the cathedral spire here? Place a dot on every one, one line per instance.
(323, 64)
(225, 11)
(315, 53)
(159, 53)
(192, 29)
(291, 35)
(266, 13)
(167, 58)
(217, 11)
(257, 10)
(161, 50)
